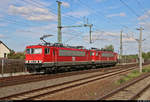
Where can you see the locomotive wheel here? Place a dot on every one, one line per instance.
(30, 71)
(46, 71)
(54, 71)
(93, 67)
(97, 66)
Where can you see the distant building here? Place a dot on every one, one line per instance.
(4, 50)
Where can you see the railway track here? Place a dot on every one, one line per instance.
(138, 94)
(129, 91)
(15, 80)
(40, 93)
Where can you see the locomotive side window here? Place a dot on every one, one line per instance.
(34, 51)
(71, 53)
(28, 51)
(96, 53)
(90, 53)
(107, 55)
(47, 50)
(54, 52)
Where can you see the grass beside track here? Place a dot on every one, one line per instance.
(133, 74)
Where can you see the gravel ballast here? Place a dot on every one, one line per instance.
(128, 92)
(145, 95)
(89, 91)
(10, 90)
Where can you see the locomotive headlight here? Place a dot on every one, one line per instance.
(26, 61)
(92, 54)
(33, 61)
(40, 61)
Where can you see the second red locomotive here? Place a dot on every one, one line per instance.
(50, 57)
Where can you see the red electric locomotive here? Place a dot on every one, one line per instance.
(51, 57)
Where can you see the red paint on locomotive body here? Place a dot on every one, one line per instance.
(37, 56)
(42, 56)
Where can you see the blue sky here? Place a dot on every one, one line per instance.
(23, 22)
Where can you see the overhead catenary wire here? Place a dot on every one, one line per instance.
(16, 22)
(129, 8)
(140, 5)
(69, 39)
(98, 13)
(35, 3)
(8, 19)
(75, 36)
(71, 18)
(137, 15)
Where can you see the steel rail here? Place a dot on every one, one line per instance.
(102, 76)
(140, 92)
(110, 94)
(34, 78)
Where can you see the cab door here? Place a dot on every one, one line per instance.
(87, 56)
(55, 55)
(47, 55)
(93, 55)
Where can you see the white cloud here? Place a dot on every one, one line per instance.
(130, 39)
(32, 13)
(4, 3)
(65, 4)
(26, 10)
(99, 0)
(101, 35)
(38, 3)
(79, 23)
(38, 30)
(51, 27)
(75, 1)
(3, 24)
(40, 17)
(1, 16)
(146, 47)
(113, 7)
(112, 34)
(1, 36)
(78, 14)
(146, 25)
(145, 16)
(114, 15)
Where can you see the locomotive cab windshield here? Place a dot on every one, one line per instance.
(34, 51)
(34, 54)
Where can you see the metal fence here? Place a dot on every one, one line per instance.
(11, 66)
(128, 61)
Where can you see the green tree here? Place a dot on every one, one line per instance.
(17, 55)
(146, 56)
(109, 48)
